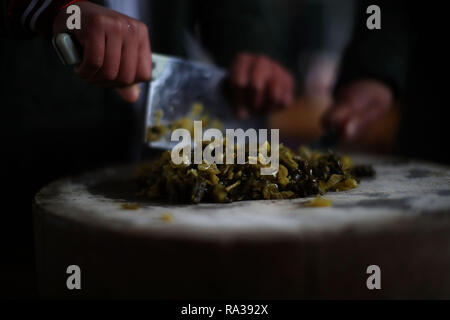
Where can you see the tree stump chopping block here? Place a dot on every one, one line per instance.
(398, 221)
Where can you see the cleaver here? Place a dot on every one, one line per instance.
(176, 85)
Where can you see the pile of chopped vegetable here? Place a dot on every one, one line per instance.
(301, 174)
(160, 130)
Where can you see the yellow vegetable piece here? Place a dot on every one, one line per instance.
(346, 163)
(319, 202)
(167, 217)
(197, 109)
(214, 179)
(229, 188)
(282, 175)
(347, 184)
(130, 206)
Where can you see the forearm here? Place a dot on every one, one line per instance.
(22, 18)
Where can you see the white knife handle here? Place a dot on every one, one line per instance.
(66, 49)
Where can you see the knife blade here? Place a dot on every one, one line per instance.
(177, 84)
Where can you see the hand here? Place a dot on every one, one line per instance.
(116, 49)
(356, 106)
(259, 84)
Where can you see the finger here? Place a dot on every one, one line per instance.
(348, 102)
(94, 55)
(240, 78)
(358, 122)
(350, 129)
(111, 65)
(129, 56)
(130, 94)
(259, 76)
(338, 114)
(238, 81)
(288, 95)
(144, 67)
(275, 91)
(240, 71)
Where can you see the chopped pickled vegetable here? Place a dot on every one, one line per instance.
(130, 206)
(282, 175)
(158, 130)
(303, 174)
(167, 217)
(319, 202)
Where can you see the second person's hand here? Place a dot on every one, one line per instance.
(259, 84)
(356, 106)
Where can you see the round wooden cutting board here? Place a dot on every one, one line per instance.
(399, 221)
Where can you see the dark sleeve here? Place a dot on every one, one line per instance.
(22, 18)
(379, 54)
(229, 27)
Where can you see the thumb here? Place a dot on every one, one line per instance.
(358, 122)
(337, 114)
(129, 94)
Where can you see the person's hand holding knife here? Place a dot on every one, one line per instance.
(116, 49)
